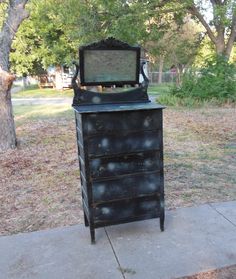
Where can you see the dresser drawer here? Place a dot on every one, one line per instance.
(126, 187)
(124, 143)
(126, 209)
(119, 121)
(125, 164)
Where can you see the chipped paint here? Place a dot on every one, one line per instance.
(121, 167)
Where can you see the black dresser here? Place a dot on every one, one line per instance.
(121, 163)
(119, 136)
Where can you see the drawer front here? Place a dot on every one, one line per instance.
(130, 142)
(114, 122)
(126, 187)
(125, 164)
(126, 209)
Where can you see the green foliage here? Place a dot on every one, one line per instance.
(54, 31)
(42, 40)
(216, 81)
(25, 54)
(205, 50)
(171, 100)
(159, 89)
(56, 28)
(3, 9)
(177, 44)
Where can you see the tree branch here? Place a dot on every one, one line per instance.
(213, 2)
(16, 13)
(219, 25)
(232, 36)
(216, 2)
(194, 11)
(225, 2)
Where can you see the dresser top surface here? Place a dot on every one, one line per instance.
(117, 107)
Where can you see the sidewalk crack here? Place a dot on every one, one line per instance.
(221, 214)
(120, 268)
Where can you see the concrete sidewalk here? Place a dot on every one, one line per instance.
(196, 239)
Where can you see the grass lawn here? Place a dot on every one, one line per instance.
(159, 89)
(40, 185)
(25, 113)
(43, 93)
(53, 93)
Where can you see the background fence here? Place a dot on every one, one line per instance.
(166, 77)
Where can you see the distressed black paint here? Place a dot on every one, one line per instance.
(123, 121)
(124, 164)
(123, 143)
(121, 164)
(120, 148)
(126, 186)
(125, 209)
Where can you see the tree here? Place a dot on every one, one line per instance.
(25, 55)
(185, 48)
(42, 40)
(14, 13)
(178, 46)
(222, 28)
(57, 28)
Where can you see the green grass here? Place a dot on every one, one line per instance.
(42, 93)
(35, 92)
(159, 89)
(26, 113)
(170, 100)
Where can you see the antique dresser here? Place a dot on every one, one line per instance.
(120, 144)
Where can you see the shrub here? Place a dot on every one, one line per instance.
(216, 81)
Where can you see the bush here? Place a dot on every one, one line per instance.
(215, 82)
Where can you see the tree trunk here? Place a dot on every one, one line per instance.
(15, 14)
(25, 81)
(223, 43)
(7, 125)
(220, 46)
(161, 63)
(224, 50)
(179, 73)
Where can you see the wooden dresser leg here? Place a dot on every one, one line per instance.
(86, 220)
(162, 224)
(92, 234)
(162, 215)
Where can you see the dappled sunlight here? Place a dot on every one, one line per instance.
(43, 93)
(23, 113)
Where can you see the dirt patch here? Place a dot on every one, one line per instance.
(223, 273)
(40, 180)
(200, 156)
(40, 185)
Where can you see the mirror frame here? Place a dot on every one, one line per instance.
(108, 44)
